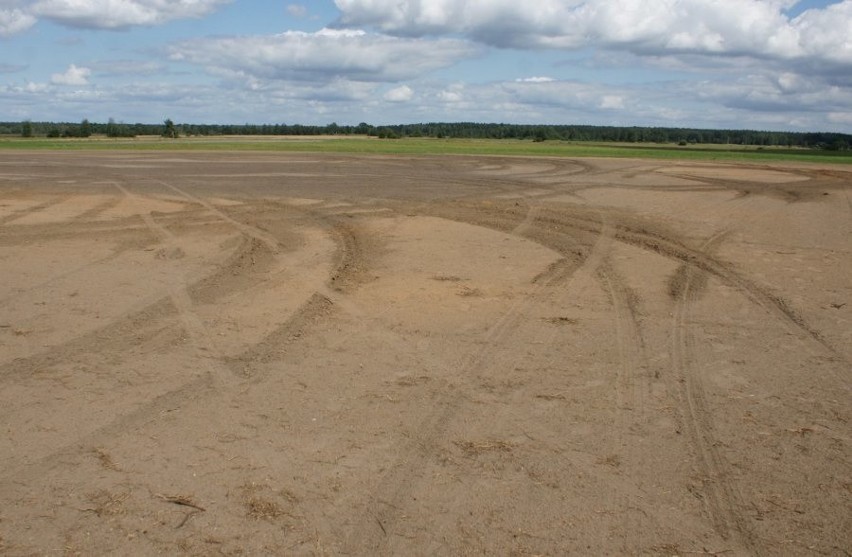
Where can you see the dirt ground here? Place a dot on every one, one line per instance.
(222, 353)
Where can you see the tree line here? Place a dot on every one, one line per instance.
(471, 130)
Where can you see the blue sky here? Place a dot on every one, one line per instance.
(759, 64)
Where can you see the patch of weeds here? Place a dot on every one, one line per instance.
(447, 278)
(560, 320)
(477, 447)
(467, 292)
(106, 503)
(105, 459)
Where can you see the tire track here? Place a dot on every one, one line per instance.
(662, 244)
(114, 255)
(350, 263)
(562, 219)
(146, 326)
(274, 345)
(97, 210)
(206, 351)
(198, 389)
(141, 327)
(128, 226)
(529, 219)
(271, 242)
(21, 213)
(723, 500)
(630, 392)
(115, 336)
(370, 531)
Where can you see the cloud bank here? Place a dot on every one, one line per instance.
(324, 55)
(20, 15)
(758, 28)
(766, 64)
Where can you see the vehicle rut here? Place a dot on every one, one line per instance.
(721, 496)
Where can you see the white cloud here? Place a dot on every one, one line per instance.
(72, 76)
(534, 79)
(766, 92)
(14, 21)
(454, 95)
(756, 28)
(844, 118)
(323, 56)
(121, 14)
(612, 102)
(404, 93)
(297, 10)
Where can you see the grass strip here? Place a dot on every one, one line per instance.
(429, 146)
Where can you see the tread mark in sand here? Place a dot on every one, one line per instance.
(202, 341)
(347, 271)
(630, 396)
(140, 323)
(674, 249)
(246, 229)
(396, 484)
(10, 218)
(94, 212)
(199, 388)
(721, 496)
(700, 260)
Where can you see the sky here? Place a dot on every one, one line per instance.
(745, 64)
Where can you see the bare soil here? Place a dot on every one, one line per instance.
(226, 353)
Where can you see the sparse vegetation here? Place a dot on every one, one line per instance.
(431, 146)
(633, 135)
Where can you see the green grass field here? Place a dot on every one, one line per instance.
(428, 146)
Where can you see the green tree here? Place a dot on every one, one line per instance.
(26, 129)
(169, 129)
(112, 129)
(85, 128)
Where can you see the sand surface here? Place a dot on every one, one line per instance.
(302, 354)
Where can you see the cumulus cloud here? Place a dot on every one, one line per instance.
(403, 93)
(14, 21)
(758, 28)
(324, 55)
(120, 14)
(72, 76)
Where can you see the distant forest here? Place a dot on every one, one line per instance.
(470, 130)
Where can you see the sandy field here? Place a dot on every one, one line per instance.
(226, 354)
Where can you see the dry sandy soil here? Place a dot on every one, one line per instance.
(279, 353)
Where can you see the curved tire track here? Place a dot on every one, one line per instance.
(723, 500)
(370, 531)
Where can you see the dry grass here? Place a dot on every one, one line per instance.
(610, 460)
(263, 509)
(467, 292)
(105, 459)
(447, 278)
(560, 320)
(106, 503)
(183, 500)
(478, 447)
(554, 396)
